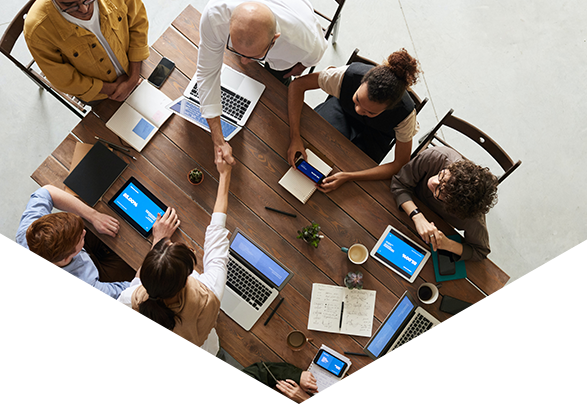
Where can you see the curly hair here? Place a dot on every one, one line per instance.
(387, 82)
(515, 394)
(470, 190)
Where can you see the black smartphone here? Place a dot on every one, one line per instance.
(161, 72)
(309, 171)
(446, 263)
(330, 363)
(452, 305)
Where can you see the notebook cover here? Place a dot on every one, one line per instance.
(460, 271)
(95, 173)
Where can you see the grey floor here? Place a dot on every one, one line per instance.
(516, 70)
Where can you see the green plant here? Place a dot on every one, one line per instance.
(195, 176)
(311, 234)
(354, 280)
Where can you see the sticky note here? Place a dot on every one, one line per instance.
(143, 128)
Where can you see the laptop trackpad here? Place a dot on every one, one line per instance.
(229, 302)
(231, 79)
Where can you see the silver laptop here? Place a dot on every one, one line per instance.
(410, 343)
(254, 281)
(239, 96)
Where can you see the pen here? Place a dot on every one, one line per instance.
(279, 211)
(356, 353)
(341, 311)
(114, 145)
(273, 312)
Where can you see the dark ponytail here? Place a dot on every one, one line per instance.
(386, 83)
(164, 274)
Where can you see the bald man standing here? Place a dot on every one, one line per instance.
(285, 34)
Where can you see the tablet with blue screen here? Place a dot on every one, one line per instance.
(137, 206)
(400, 254)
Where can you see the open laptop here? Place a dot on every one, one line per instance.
(254, 281)
(239, 95)
(410, 343)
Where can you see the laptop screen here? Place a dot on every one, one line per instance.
(191, 111)
(400, 253)
(259, 260)
(390, 327)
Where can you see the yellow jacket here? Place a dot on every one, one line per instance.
(72, 58)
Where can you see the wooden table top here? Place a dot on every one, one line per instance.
(356, 212)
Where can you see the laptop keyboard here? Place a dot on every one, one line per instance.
(245, 285)
(412, 341)
(233, 104)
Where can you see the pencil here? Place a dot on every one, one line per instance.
(273, 312)
(280, 211)
(118, 147)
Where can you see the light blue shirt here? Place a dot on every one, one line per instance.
(73, 288)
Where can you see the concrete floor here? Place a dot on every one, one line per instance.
(494, 62)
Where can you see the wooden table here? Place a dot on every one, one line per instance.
(356, 212)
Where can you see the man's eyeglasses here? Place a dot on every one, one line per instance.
(481, 394)
(75, 8)
(440, 187)
(230, 48)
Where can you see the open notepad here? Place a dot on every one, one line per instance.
(298, 184)
(341, 310)
(139, 117)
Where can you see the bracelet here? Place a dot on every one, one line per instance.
(414, 213)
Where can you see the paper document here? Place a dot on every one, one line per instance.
(323, 377)
(341, 310)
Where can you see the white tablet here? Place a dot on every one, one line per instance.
(400, 254)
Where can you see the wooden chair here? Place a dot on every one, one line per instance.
(137, 369)
(476, 135)
(11, 35)
(24, 300)
(333, 25)
(417, 100)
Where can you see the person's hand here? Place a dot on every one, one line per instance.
(105, 224)
(226, 153)
(295, 146)
(308, 382)
(291, 390)
(486, 358)
(221, 165)
(295, 71)
(333, 181)
(124, 88)
(427, 230)
(165, 225)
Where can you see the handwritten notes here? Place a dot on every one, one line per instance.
(329, 303)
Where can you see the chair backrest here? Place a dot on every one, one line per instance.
(33, 309)
(482, 139)
(419, 103)
(13, 32)
(328, 31)
(137, 369)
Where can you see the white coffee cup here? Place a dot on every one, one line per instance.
(428, 293)
(357, 253)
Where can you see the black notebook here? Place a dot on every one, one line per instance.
(95, 173)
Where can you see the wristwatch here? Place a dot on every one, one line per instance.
(414, 213)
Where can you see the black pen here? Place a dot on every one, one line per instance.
(341, 311)
(280, 211)
(355, 353)
(273, 312)
(114, 145)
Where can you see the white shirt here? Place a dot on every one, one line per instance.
(216, 246)
(301, 41)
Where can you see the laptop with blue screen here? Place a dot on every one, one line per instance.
(253, 282)
(410, 343)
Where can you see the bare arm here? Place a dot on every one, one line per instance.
(62, 200)
(295, 103)
(218, 139)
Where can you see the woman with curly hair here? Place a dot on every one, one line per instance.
(459, 191)
(369, 105)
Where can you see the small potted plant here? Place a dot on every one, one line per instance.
(195, 176)
(354, 280)
(311, 234)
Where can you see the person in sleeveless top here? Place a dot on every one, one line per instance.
(369, 105)
(168, 290)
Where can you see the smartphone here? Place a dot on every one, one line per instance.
(446, 263)
(330, 363)
(452, 305)
(161, 72)
(309, 171)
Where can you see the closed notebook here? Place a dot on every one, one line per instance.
(95, 173)
(298, 184)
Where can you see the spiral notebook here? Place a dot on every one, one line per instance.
(298, 184)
